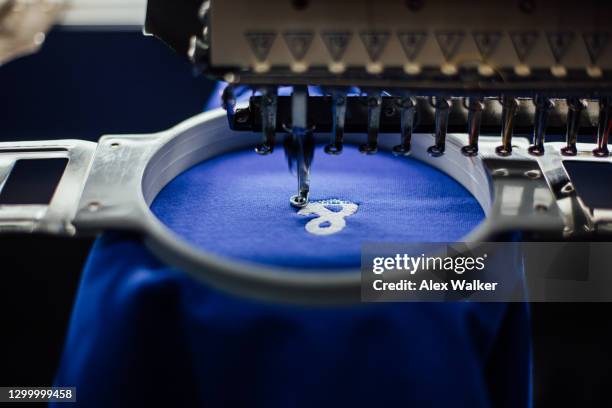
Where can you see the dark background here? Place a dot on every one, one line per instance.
(84, 84)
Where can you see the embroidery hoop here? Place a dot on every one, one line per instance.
(110, 186)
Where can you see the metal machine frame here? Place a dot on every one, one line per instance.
(110, 186)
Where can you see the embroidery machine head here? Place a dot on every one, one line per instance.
(393, 67)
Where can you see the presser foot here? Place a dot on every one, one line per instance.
(333, 149)
(569, 150)
(299, 200)
(601, 152)
(435, 150)
(263, 149)
(368, 148)
(469, 150)
(401, 150)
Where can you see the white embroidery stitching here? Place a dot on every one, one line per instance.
(328, 222)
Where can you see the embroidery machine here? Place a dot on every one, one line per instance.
(447, 69)
(456, 85)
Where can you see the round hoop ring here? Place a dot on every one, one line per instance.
(157, 159)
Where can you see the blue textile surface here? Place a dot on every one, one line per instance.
(144, 334)
(237, 205)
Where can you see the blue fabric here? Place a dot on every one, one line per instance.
(144, 334)
(237, 205)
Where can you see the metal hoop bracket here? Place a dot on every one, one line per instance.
(110, 186)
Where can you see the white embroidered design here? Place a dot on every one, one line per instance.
(329, 221)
